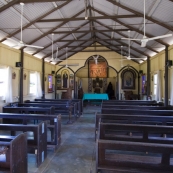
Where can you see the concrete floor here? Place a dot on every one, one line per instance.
(77, 150)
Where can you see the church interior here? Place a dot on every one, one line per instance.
(78, 52)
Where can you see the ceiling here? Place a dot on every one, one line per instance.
(107, 22)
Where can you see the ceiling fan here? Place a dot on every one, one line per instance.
(129, 57)
(56, 59)
(20, 43)
(66, 64)
(144, 40)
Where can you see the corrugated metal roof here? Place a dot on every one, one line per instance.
(107, 21)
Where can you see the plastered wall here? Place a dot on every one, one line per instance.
(9, 57)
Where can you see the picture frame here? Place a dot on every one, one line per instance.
(128, 79)
(97, 70)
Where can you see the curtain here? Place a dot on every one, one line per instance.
(171, 101)
(8, 93)
(158, 89)
(38, 91)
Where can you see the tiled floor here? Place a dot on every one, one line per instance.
(77, 150)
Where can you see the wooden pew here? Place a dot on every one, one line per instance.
(27, 110)
(54, 124)
(132, 119)
(136, 111)
(60, 108)
(14, 157)
(130, 101)
(36, 144)
(141, 107)
(123, 153)
(153, 103)
(78, 101)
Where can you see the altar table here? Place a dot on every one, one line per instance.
(92, 96)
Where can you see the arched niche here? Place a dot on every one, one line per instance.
(83, 74)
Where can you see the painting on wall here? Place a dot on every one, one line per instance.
(50, 81)
(72, 81)
(128, 79)
(58, 81)
(65, 78)
(97, 70)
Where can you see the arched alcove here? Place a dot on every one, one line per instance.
(100, 69)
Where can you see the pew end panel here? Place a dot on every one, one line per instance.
(131, 157)
(15, 158)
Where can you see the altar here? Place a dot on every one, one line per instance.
(94, 96)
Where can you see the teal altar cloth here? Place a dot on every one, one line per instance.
(92, 96)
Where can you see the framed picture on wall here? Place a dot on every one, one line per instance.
(72, 81)
(128, 79)
(97, 70)
(50, 81)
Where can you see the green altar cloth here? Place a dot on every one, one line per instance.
(92, 96)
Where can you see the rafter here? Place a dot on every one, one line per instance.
(109, 30)
(64, 46)
(55, 41)
(52, 30)
(123, 35)
(8, 5)
(89, 18)
(140, 14)
(34, 21)
(124, 44)
(131, 28)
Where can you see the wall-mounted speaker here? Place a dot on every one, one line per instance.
(169, 63)
(140, 71)
(53, 72)
(18, 64)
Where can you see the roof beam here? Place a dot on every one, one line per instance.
(51, 31)
(123, 35)
(11, 3)
(55, 41)
(95, 46)
(91, 39)
(110, 30)
(64, 46)
(41, 1)
(34, 21)
(132, 28)
(92, 50)
(89, 18)
(141, 15)
(124, 44)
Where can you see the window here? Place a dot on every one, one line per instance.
(155, 83)
(2, 81)
(32, 86)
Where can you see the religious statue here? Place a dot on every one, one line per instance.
(65, 79)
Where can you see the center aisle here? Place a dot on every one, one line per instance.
(77, 150)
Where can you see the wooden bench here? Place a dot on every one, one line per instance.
(13, 154)
(26, 110)
(78, 101)
(36, 144)
(54, 125)
(141, 153)
(141, 107)
(60, 108)
(136, 111)
(132, 119)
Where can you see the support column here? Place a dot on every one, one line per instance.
(55, 85)
(148, 77)
(118, 91)
(43, 74)
(21, 77)
(138, 86)
(166, 77)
